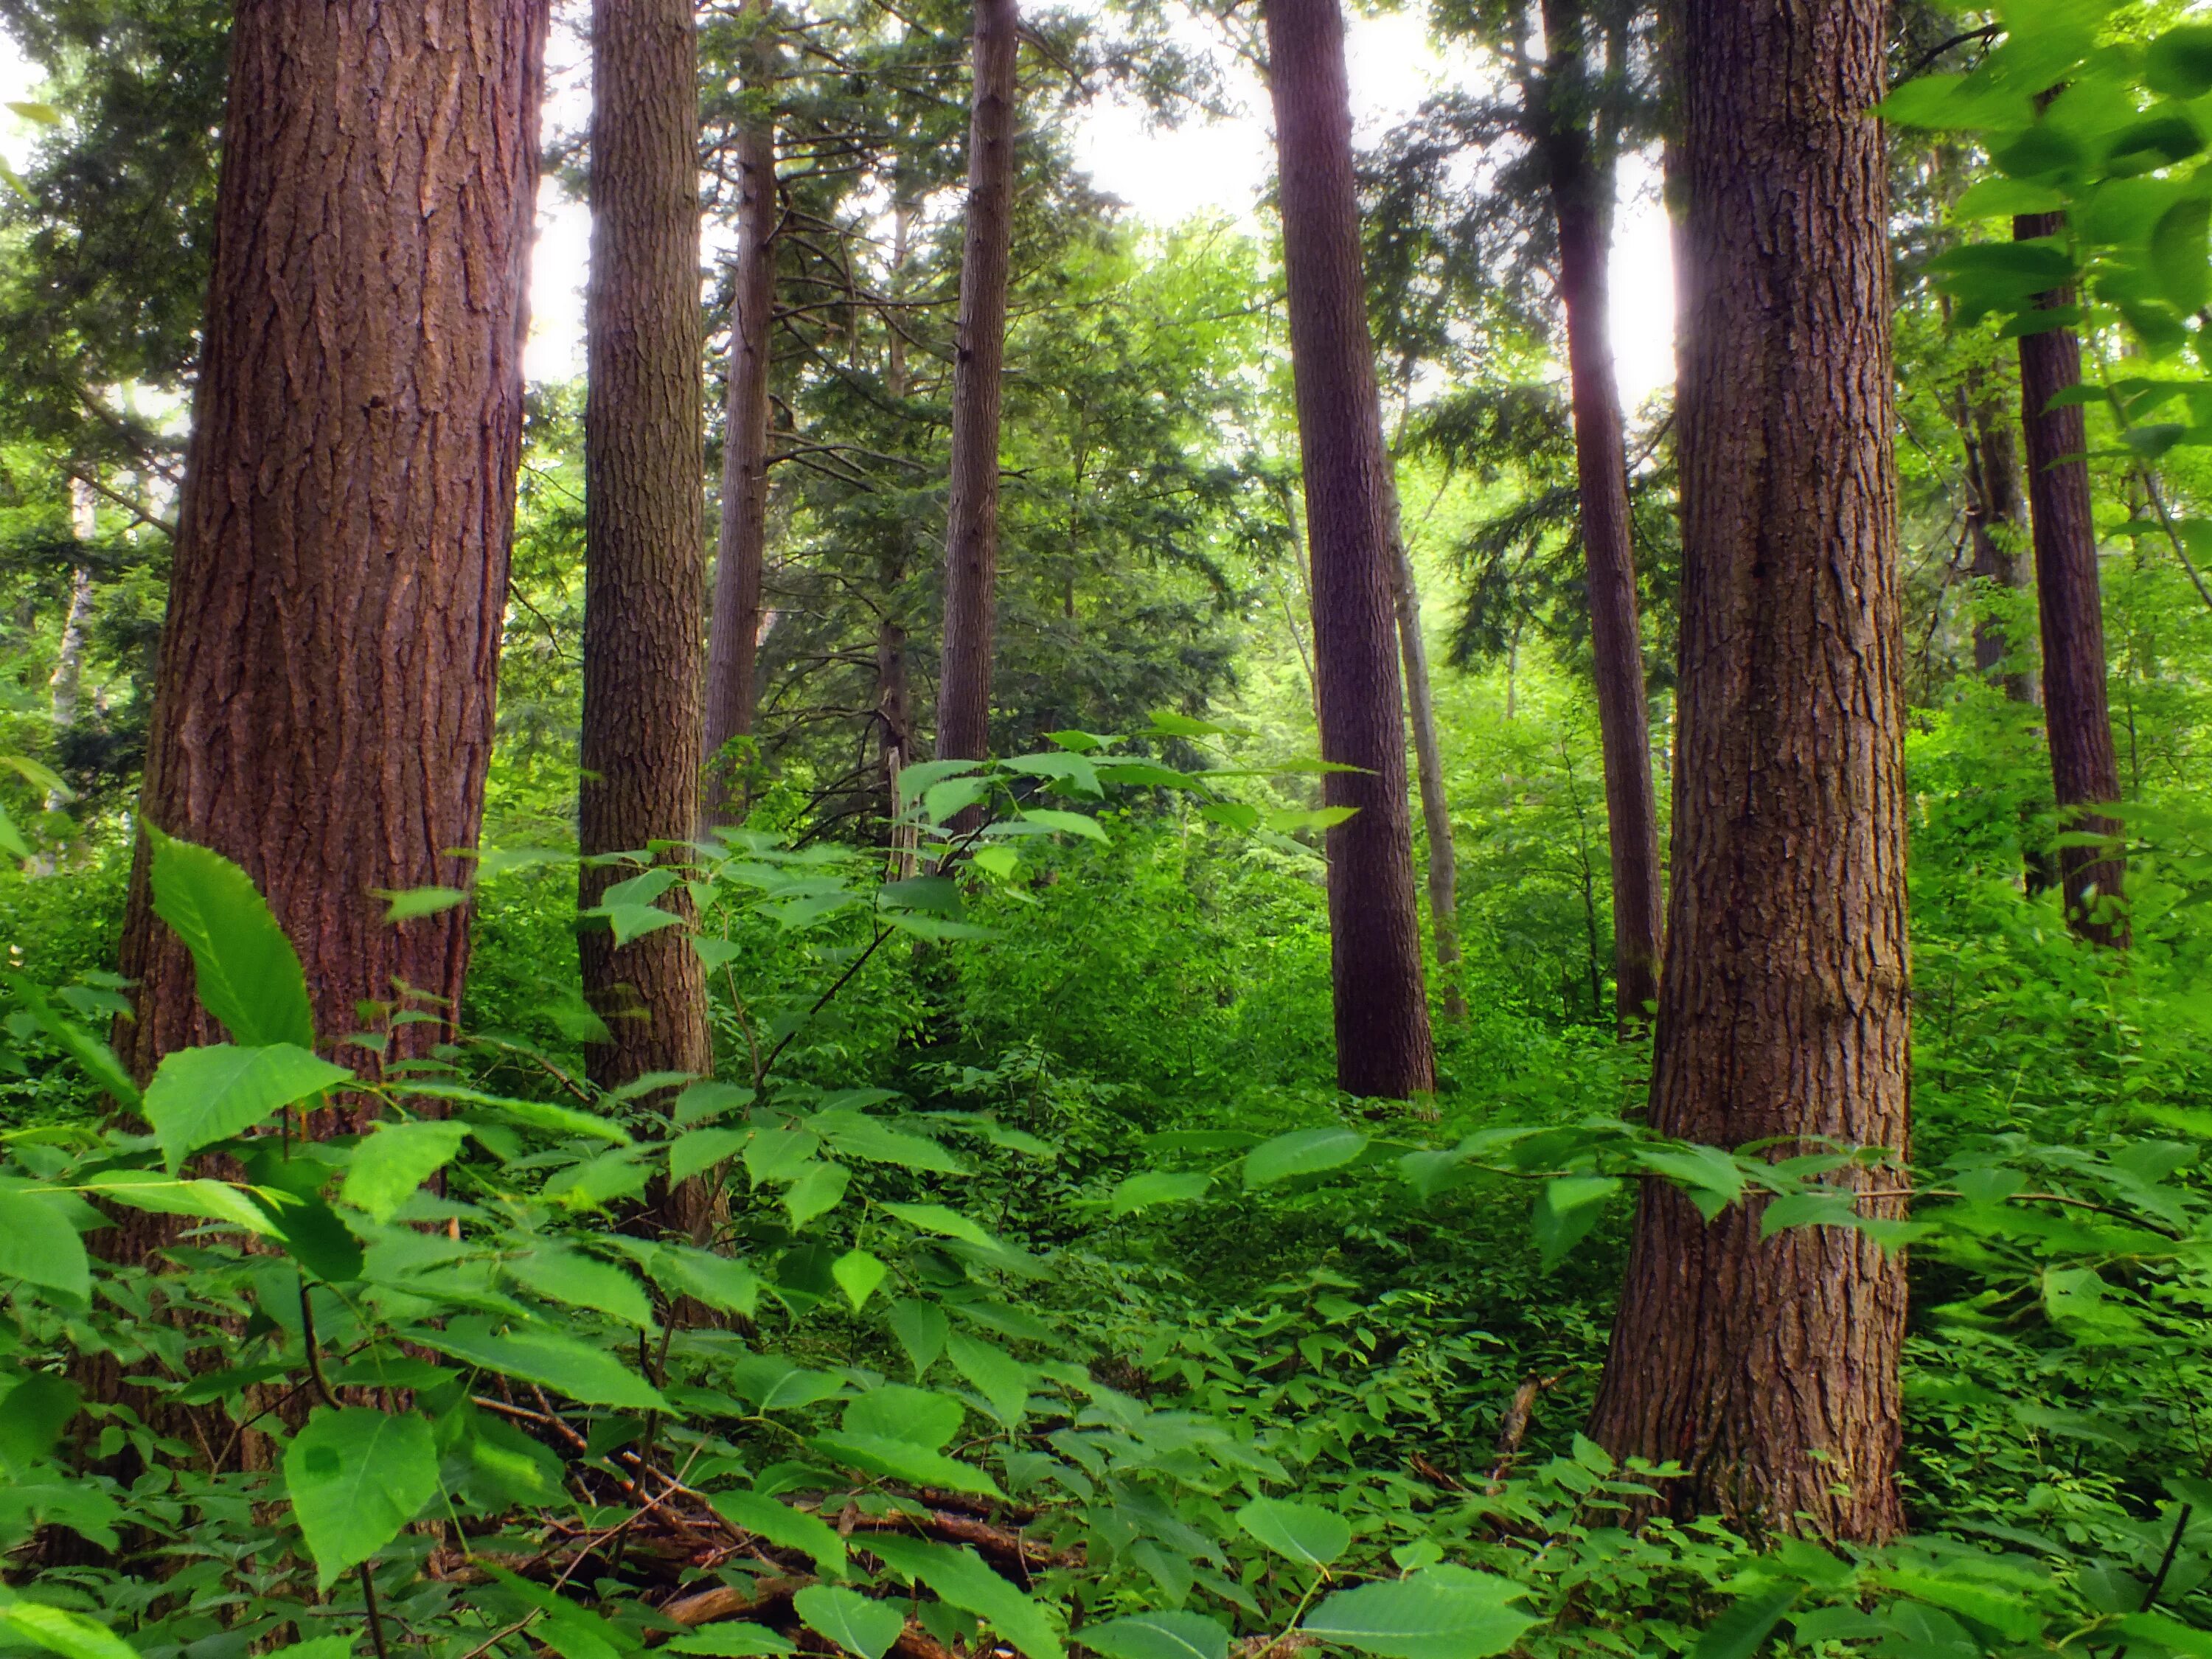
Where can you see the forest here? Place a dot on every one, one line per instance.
(1037, 929)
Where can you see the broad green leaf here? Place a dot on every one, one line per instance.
(1073, 823)
(1159, 1636)
(858, 1274)
(1567, 1208)
(563, 1275)
(201, 1095)
(784, 1527)
(1709, 1177)
(1151, 1187)
(323, 1246)
(1440, 1612)
(945, 1223)
(408, 903)
(1306, 1533)
(2181, 253)
(59, 1630)
(858, 1135)
(391, 1164)
(902, 1459)
(862, 1627)
(631, 921)
(732, 1640)
(998, 1375)
(716, 1280)
(355, 1477)
(773, 1383)
(2178, 63)
(39, 1246)
(958, 1576)
(2169, 1633)
(1742, 1631)
(34, 1413)
(213, 1200)
(590, 1375)
(1302, 1152)
(780, 1155)
(913, 780)
(564, 1121)
(702, 1101)
(818, 1190)
(45, 115)
(702, 1149)
(920, 1328)
(245, 970)
(921, 1417)
(2009, 1613)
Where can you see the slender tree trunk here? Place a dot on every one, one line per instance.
(323, 705)
(65, 685)
(644, 566)
(895, 744)
(1429, 757)
(733, 637)
(1996, 527)
(971, 533)
(1382, 1039)
(1769, 1367)
(2084, 771)
(1582, 202)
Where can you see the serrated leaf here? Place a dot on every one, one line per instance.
(245, 970)
(39, 1246)
(1567, 1208)
(902, 1459)
(200, 1096)
(577, 1281)
(701, 1150)
(1302, 1152)
(734, 1639)
(1306, 1533)
(1151, 1187)
(1741, 1631)
(1073, 823)
(772, 1382)
(784, 1527)
(858, 1274)
(858, 1135)
(920, 1328)
(589, 1375)
(59, 1630)
(959, 1576)
(1440, 1612)
(355, 1477)
(819, 1189)
(161, 1194)
(1159, 1636)
(862, 1627)
(391, 1164)
(997, 1375)
(684, 1270)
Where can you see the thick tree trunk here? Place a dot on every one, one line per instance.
(2084, 771)
(1769, 1369)
(644, 566)
(972, 531)
(1382, 1039)
(1582, 204)
(323, 706)
(1429, 757)
(733, 637)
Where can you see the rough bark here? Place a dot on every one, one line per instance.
(1769, 1369)
(2084, 770)
(734, 633)
(1582, 187)
(644, 564)
(971, 532)
(1997, 520)
(323, 705)
(1382, 1039)
(1442, 870)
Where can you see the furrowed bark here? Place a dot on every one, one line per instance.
(2085, 771)
(1769, 1367)
(644, 564)
(971, 533)
(1383, 1045)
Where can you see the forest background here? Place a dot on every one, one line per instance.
(1043, 1280)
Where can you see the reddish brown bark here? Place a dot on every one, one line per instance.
(1382, 1039)
(2084, 770)
(971, 532)
(733, 634)
(323, 706)
(1582, 187)
(1769, 1369)
(644, 566)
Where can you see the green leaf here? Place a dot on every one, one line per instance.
(589, 1375)
(631, 921)
(858, 1274)
(39, 1246)
(959, 1576)
(2179, 63)
(215, 1201)
(11, 838)
(858, 1135)
(921, 1417)
(59, 1630)
(915, 779)
(732, 1640)
(784, 1527)
(707, 1100)
(1292, 819)
(700, 1150)
(570, 1277)
(2008, 1613)
(355, 1478)
(201, 1095)
(773, 1383)
(1151, 1187)
(45, 115)
(899, 1458)
(411, 903)
(780, 1154)
(34, 1413)
(95, 1058)
(1566, 1209)
(245, 969)
(1712, 1179)
(564, 1121)
(2181, 253)
(312, 1236)
(945, 1223)
(863, 1628)
(1073, 823)
(683, 1270)
(1440, 1612)
(1743, 1629)
(1159, 1636)
(1302, 1152)
(921, 1330)
(1306, 1533)
(998, 1375)
(391, 1164)
(2169, 1633)
(818, 1190)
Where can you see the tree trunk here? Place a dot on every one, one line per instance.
(1769, 1369)
(1582, 202)
(972, 531)
(1429, 757)
(1382, 1040)
(733, 637)
(65, 685)
(323, 705)
(895, 744)
(644, 568)
(1996, 526)
(2084, 771)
